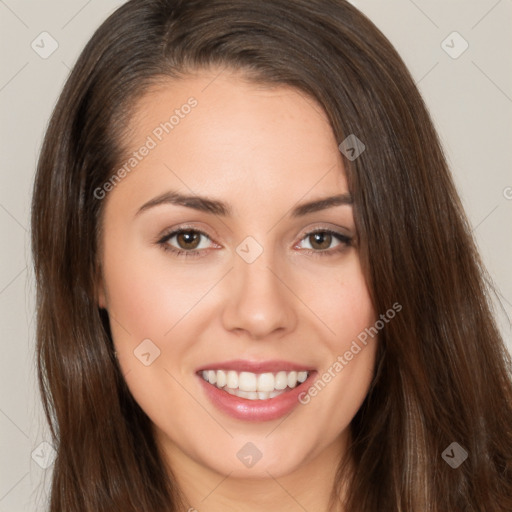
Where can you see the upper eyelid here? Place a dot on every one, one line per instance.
(167, 235)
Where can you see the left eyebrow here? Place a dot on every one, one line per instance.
(216, 207)
(321, 204)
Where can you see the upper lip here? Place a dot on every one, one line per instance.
(270, 366)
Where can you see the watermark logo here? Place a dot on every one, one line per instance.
(249, 454)
(44, 45)
(249, 249)
(44, 455)
(352, 147)
(146, 352)
(454, 455)
(454, 45)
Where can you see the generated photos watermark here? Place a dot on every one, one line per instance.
(157, 135)
(343, 360)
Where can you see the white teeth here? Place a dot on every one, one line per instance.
(221, 378)
(246, 381)
(253, 386)
(281, 380)
(265, 382)
(254, 395)
(251, 395)
(231, 379)
(292, 379)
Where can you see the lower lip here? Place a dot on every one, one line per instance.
(255, 410)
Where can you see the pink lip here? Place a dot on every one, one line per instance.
(256, 410)
(240, 365)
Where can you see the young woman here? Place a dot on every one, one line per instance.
(256, 286)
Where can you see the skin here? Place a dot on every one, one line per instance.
(263, 151)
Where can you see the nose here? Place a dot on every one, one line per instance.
(260, 302)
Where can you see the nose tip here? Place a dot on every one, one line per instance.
(258, 303)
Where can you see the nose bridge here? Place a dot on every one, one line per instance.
(259, 302)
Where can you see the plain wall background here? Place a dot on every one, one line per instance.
(470, 99)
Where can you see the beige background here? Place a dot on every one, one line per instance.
(470, 98)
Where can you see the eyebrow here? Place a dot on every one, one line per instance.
(217, 207)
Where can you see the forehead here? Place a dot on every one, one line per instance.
(220, 133)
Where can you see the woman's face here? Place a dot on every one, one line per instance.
(255, 301)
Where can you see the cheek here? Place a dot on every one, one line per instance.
(342, 301)
(145, 301)
(344, 378)
(340, 298)
(148, 296)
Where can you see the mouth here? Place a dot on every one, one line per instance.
(254, 386)
(255, 391)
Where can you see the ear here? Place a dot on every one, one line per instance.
(101, 295)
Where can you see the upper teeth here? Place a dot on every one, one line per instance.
(248, 381)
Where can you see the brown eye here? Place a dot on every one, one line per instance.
(188, 239)
(185, 242)
(324, 242)
(320, 240)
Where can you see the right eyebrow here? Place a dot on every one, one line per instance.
(203, 204)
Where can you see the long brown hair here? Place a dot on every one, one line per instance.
(443, 373)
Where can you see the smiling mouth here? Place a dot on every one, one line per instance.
(254, 386)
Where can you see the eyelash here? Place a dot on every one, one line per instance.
(163, 242)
